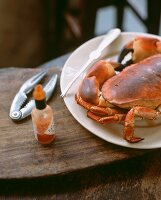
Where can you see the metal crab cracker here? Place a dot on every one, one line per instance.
(17, 112)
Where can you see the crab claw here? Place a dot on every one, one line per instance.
(102, 70)
(139, 49)
(89, 90)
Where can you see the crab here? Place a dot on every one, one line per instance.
(139, 48)
(119, 98)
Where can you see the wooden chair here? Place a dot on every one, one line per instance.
(152, 21)
(78, 22)
(78, 18)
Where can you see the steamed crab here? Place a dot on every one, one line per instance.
(116, 98)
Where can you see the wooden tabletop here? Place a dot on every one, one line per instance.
(101, 171)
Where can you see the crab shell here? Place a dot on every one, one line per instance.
(137, 85)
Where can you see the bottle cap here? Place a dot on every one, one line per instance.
(39, 93)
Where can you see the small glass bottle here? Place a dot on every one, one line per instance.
(42, 117)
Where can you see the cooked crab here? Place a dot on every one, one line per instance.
(111, 98)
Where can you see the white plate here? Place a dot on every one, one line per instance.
(113, 132)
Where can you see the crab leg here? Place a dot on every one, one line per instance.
(97, 109)
(117, 118)
(105, 111)
(139, 111)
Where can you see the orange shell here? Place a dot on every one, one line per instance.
(137, 85)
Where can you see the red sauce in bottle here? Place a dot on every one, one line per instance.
(42, 117)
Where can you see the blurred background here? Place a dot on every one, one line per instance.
(35, 31)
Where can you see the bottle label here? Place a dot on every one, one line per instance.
(35, 131)
(44, 128)
(51, 128)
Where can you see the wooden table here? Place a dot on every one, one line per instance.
(101, 171)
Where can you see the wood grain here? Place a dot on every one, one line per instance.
(74, 149)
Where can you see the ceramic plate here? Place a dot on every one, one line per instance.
(113, 133)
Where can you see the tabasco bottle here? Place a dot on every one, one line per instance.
(42, 117)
